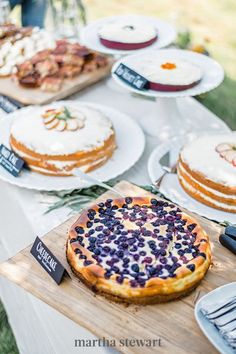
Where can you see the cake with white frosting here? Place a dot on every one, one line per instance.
(168, 74)
(55, 140)
(207, 170)
(126, 35)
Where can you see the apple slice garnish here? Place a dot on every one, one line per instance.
(223, 147)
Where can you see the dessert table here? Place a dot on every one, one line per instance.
(37, 327)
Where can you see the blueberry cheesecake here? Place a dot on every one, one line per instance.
(138, 250)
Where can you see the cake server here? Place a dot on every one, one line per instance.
(167, 168)
(85, 177)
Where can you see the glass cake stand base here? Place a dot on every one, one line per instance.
(166, 120)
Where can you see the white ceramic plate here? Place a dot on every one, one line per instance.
(89, 34)
(208, 328)
(170, 186)
(129, 149)
(213, 73)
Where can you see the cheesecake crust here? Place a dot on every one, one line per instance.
(153, 287)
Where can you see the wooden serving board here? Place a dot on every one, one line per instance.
(33, 96)
(172, 322)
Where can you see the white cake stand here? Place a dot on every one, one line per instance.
(167, 121)
(89, 34)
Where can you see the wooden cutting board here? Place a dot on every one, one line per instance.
(32, 96)
(173, 322)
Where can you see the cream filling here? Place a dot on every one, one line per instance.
(213, 191)
(83, 168)
(61, 165)
(205, 197)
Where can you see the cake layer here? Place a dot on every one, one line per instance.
(63, 165)
(205, 164)
(126, 46)
(205, 189)
(205, 199)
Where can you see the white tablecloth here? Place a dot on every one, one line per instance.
(37, 327)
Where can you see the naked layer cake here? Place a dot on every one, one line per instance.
(138, 250)
(55, 140)
(127, 36)
(168, 74)
(207, 171)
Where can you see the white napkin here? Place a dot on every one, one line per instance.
(223, 315)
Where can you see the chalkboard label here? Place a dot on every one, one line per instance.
(10, 161)
(9, 105)
(48, 261)
(131, 77)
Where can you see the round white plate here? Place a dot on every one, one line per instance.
(208, 328)
(130, 147)
(89, 34)
(213, 73)
(171, 188)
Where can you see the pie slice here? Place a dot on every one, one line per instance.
(138, 250)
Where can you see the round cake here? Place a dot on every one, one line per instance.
(127, 36)
(138, 250)
(168, 74)
(207, 170)
(55, 140)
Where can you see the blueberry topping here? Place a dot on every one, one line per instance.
(154, 201)
(178, 245)
(87, 262)
(191, 267)
(79, 230)
(97, 251)
(135, 267)
(120, 279)
(191, 227)
(128, 200)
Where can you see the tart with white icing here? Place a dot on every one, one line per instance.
(207, 171)
(138, 250)
(127, 36)
(168, 74)
(56, 140)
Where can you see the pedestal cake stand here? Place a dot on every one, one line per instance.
(168, 121)
(165, 32)
(89, 37)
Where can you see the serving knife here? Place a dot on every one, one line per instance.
(167, 168)
(86, 177)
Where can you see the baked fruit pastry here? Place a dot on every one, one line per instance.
(55, 140)
(49, 68)
(127, 36)
(138, 250)
(168, 75)
(207, 171)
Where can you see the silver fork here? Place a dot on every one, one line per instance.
(165, 164)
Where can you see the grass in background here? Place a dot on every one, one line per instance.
(7, 340)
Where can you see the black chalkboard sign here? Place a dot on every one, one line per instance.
(131, 77)
(9, 105)
(47, 260)
(10, 161)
